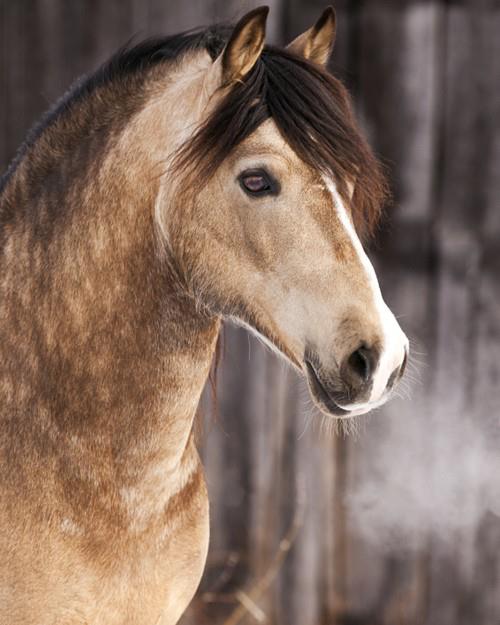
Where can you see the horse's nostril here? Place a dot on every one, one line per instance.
(362, 363)
(397, 374)
(393, 377)
(403, 365)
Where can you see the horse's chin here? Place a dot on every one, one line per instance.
(335, 411)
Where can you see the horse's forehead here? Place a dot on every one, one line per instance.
(268, 132)
(267, 140)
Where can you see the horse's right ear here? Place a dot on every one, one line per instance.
(316, 44)
(244, 46)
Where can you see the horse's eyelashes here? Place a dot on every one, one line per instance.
(258, 182)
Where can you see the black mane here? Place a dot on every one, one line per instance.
(126, 61)
(309, 106)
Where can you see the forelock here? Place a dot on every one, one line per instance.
(311, 110)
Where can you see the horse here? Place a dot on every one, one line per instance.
(194, 178)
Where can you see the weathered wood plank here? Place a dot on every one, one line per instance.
(398, 99)
(468, 314)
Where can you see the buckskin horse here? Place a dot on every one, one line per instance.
(193, 178)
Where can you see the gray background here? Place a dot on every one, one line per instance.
(398, 523)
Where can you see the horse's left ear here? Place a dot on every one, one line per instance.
(316, 44)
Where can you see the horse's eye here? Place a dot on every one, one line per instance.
(257, 182)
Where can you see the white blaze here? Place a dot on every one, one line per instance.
(394, 341)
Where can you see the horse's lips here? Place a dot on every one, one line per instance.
(321, 394)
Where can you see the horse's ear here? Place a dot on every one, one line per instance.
(244, 46)
(316, 44)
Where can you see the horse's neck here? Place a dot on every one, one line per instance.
(107, 357)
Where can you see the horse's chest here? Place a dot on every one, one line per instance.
(78, 577)
(155, 585)
(155, 591)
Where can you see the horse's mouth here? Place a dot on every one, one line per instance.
(322, 397)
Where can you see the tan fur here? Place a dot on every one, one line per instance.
(291, 262)
(102, 486)
(109, 315)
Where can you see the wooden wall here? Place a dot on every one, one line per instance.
(399, 523)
